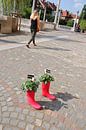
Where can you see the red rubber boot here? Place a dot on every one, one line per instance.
(30, 95)
(45, 91)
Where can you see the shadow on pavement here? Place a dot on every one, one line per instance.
(12, 42)
(59, 103)
(59, 38)
(53, 105)
(52, 48)
(14, 34)
(65, 96)
(69, 40)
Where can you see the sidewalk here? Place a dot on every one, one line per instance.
(64, 53)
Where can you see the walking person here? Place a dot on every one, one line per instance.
(35, 26)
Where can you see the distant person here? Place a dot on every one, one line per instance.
(35, 27)
(77, 27)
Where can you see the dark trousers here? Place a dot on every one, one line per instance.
(33, 34)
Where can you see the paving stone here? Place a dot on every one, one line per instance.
(4, 108)
(46, 125)
(19, 110)
(32, 113)
(6, 114)
(9, 99)
(25, 111)
(22, 124)
(13, 114)
(2, 98)
(30, 119)
(5, 120)
(21, 116)
(39, 114)
(16, 88)
(14, 122)
(7, 95)
(11, 109)
(39, 128)
(38, 122)
(29, 127)
(0, 113)
(0, 118)
(53, 121)
(10, 103)
(18, 92)
(1, 88)
(53, 128)
(10, 128)
(1, 127)
(3, 103)
(1, 95)
(46, 118)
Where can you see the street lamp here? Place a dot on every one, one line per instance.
(57, 13)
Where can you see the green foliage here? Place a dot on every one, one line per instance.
(83, 13)
(30, 85)
(49, 17)
(46, 78)
(20, 5)
(62, 22)
(26, 12)
(83, 24)
(70, 23)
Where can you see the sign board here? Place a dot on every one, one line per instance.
(47, 71)
(30, 76)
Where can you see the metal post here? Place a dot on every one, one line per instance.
(33, 7)
(57, 13)
(44, 14)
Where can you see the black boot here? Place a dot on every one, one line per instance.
(27, 46)
(34, 44)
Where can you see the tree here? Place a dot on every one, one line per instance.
(83, 13)
(20, 5)
(83, 19)
(83, 25)
(70, 23)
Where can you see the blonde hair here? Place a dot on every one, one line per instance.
(34, 14)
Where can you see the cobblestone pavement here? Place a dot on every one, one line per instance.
(62, 52)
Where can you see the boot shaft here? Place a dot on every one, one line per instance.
(30, 95)
(45, 88)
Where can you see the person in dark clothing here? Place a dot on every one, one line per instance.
(35, 25)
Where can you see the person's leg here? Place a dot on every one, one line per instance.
(34, 35)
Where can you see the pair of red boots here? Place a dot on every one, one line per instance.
(45, 92)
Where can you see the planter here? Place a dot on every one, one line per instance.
(30, 96)
(45, 91)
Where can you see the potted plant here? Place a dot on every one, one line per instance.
(46, 78)
(30, 87)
